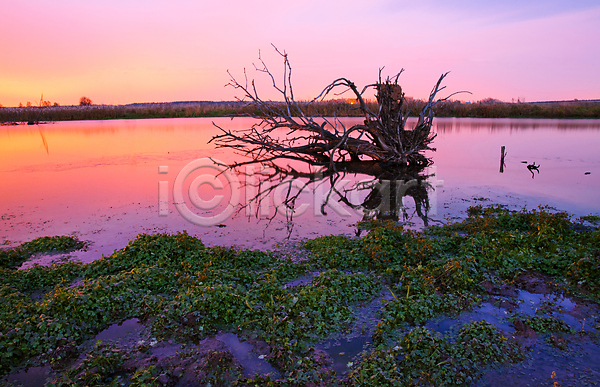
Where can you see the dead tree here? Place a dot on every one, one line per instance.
(292, 139)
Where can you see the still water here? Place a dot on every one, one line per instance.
(101, 180)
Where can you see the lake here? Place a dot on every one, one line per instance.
(108, 181)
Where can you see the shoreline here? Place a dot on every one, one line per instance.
(340, 108)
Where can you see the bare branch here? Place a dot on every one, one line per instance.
(290, 135)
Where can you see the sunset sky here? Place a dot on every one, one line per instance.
(125, 51)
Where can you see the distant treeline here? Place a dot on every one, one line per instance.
(488, 108)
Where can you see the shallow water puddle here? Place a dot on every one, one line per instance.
(344, 352)
(486, 311)
(530, 303)
(242, 351)
(558, 306)
(565, 304)
(577, 366)
(117, 332)
(33, 377)
(165, 350)
(304, 280)
(46, 259)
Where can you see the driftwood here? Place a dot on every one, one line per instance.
(291, 139)
(325, 142)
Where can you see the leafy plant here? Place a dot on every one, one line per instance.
(545, 324)
(13, 257)
(97, 368)
(482, 343)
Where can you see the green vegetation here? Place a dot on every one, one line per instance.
(424, 358)
(547, 324)
(96, 369)
(184, 291)
(16, 256)
(594, 219)
(341, 108)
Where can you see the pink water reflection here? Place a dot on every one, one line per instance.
(468, 157)
(99, 179)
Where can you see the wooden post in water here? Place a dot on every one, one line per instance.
(502, 155)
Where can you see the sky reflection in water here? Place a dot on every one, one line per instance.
(99, 179)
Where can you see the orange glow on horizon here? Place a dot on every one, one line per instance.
(119, 53)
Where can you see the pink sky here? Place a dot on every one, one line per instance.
(118, 52)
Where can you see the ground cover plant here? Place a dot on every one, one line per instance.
(391, 285)
(23, 252)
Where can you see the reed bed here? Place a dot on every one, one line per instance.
(497, 109)
(341, 108)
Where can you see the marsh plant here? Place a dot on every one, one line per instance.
(328, 108)
(184, 291)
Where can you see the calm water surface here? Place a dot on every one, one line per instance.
(99, 180)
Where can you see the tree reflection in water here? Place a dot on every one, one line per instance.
(292, 141)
